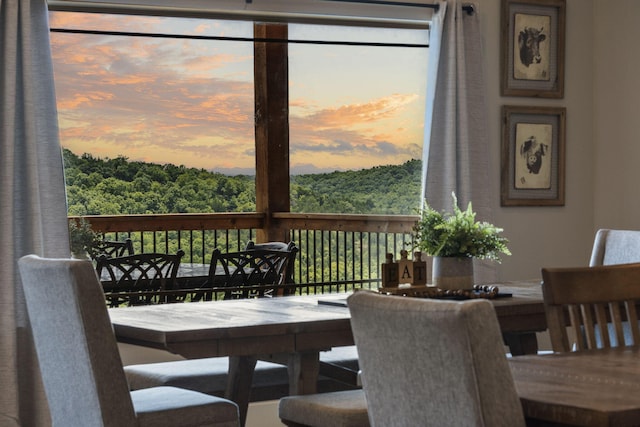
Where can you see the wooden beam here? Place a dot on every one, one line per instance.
(271, 80)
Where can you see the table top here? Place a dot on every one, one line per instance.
(279, 325)
(588, 388)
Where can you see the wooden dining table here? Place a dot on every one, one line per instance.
(595, 388)
(291, 330)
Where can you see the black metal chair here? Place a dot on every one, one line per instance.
(139, 279)
(251, 273)
(111, 248)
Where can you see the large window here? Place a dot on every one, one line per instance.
(157, 115)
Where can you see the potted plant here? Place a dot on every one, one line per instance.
(81, 237)
(454, 240)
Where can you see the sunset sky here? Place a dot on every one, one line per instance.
(190, 102)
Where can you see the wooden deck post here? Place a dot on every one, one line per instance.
(271, 80)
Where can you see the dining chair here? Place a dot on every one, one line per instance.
(251, 273)
(111, 248)
(615, 247)
(144, 278)
(425, 362)
(280, 246)
(79, 360)
(599, 304)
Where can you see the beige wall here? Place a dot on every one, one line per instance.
(617, 109)
(549, 236)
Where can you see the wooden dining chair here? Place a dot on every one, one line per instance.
(138, 279)
(599, 304)
(80, 363)
(424, 362)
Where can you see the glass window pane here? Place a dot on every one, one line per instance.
(356, 120)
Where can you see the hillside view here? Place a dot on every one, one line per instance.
(118, 186)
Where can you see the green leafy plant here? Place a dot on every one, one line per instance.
(81, 236)
(458, 234)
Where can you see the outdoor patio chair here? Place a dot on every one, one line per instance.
(111, 248)
(139, 279)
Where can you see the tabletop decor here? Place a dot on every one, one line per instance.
(454, 240)
(81, 237)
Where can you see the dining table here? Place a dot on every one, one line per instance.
(594, 388)
(292, 330)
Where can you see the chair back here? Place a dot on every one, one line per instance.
(598, 302)
(79, 360)
(280, 246)
(137, 279)
(111, 248)
(250, 273)
(432, 362)
(615, 247)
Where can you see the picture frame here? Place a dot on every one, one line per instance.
(532, 171)
(533, 43)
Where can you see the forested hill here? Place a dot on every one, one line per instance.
(118, 186)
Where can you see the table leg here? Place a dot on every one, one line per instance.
(239, 381)
(521, 343)
(303, 373)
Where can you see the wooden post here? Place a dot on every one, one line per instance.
(271, 80)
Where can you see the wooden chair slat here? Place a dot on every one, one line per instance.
(598, 291)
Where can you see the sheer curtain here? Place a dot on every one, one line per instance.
(456, 145)
(32, 196)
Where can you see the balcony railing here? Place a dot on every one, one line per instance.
(336, 252)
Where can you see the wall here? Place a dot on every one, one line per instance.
(548, 236)
(617, 94)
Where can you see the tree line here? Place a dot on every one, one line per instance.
(116, 186)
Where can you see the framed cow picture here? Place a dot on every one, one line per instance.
(533, 153)
(533, 38)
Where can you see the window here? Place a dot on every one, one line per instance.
(165, 108)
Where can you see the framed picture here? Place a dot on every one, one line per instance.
(533, 35)
(533, 153)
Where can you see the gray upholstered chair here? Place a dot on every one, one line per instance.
(433, 362)
(615, 247)
(426, 362)
(80, 363)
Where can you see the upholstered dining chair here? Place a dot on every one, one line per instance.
(80, 363)
(615, 247)
(600, 302)
(426, 362)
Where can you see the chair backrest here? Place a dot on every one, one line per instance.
(250, 273)
(279, 246)
(432, 362)
(598, 302)
(135, 279)
(615, 247)
(111, 248)
(77, 351)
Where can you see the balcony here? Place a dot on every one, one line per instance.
(337, 252)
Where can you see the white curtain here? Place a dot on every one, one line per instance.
(32, 196)
(456, 145)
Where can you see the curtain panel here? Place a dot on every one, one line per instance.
(456, 143)
(33, 213)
